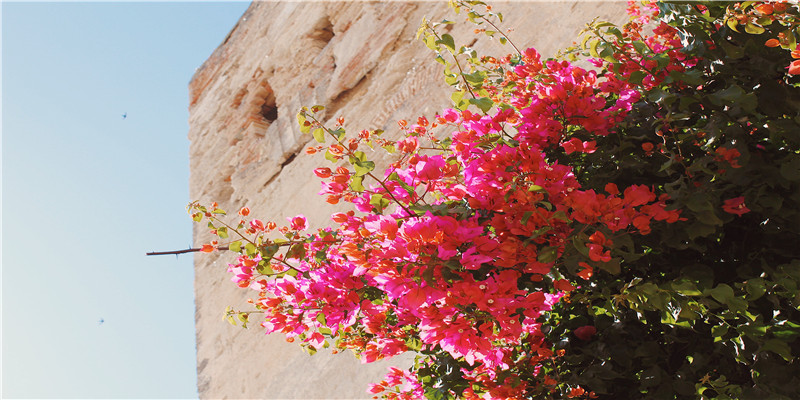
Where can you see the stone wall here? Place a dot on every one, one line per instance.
(361, 60)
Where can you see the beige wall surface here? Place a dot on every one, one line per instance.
(362, 61)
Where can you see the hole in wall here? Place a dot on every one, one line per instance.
(260, 109)
(269, 109)
(322, 31)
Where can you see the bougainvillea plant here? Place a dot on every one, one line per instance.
(626, 229)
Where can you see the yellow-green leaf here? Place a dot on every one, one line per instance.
(319, 135)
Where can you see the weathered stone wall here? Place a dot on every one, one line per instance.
(361, 60)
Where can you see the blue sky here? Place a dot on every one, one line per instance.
(85, 193)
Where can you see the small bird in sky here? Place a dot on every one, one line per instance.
(101, 321)
(124, 115)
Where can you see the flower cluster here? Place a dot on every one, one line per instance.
(481, 225)
(453, 250)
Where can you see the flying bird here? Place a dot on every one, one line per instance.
(125, 115)
(101, 321)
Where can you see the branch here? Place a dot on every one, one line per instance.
(176, 252)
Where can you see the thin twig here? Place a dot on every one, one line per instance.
(176, 252)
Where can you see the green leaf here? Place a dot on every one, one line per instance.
(484, 103)
(734, 52)
(319, 135)
(686, 288)
(457, 96)
(430, 41)
(357, 184)
(732, 23)
(722, 293)
(330, 157)
(737, 305)
(305, 127)
(476, 78)
(267, 252)
(547, 254)
(363, 167)
(235, 246)
(379, 202)
(358, 156)
(222, 232)
(448, 42)
(339, 133)
(699, 229)
(265, 268)
(753, 29)
(250, 249)
(755, 288)
(616, 32)
(525, 217)
(719, 330)
(779, 347)
(613, 267)
(727, 96)
(699, 202)
(640, 47)
(791, 169)
(709, 217)
(786, 331)
(593, 48)
(297, 251)
(636, 77)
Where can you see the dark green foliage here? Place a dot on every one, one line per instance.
(708, 307)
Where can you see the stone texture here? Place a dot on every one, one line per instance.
(361, 60)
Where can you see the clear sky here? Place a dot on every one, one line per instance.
(86, 192)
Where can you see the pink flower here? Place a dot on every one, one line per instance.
(257, 225)
(299, 223)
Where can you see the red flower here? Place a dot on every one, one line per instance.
(323, 172)
(596, 253)
(585, 332)
(735, 206)
(563, 285)
(586, 272)
(765, 8)
(794, 67)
